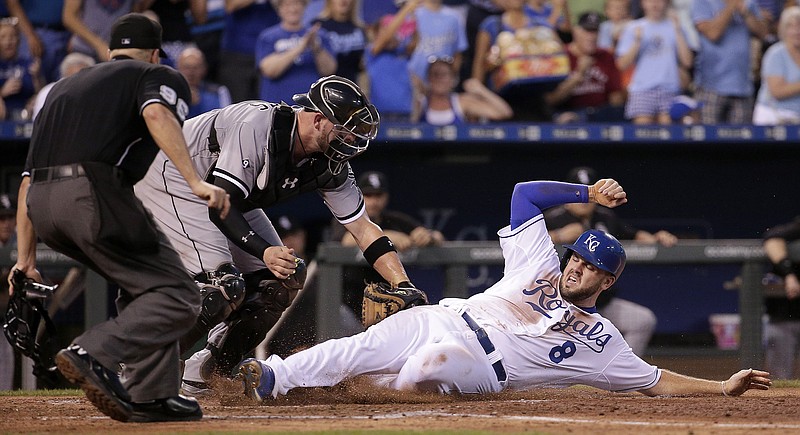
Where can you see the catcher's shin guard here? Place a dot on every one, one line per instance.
(262, 309)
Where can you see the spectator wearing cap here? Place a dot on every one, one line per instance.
(292, 234)
(404, 231)
(722, 74)
(593, 88)
(565, 223)
(8, 220)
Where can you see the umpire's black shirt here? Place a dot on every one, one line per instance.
(96, 116)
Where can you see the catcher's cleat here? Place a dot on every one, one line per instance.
(258, 379)
(195, 389)
(102, 386)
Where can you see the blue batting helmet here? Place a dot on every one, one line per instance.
(599, 248)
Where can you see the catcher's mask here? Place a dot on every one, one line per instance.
(25, 313)
(355, 120)
(599, 248)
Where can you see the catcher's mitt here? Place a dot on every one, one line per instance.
(381, 300)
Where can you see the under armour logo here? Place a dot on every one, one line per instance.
(246, 236)
(591, 243)
(289, 183)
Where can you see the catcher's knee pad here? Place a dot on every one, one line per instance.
(264, 305)
(223, 291)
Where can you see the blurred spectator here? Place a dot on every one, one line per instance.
(289, 55)
(723, 80)
(477, 11)
(292, 234)
(245, 20)
(617, 17)
(656, 45)
(441, 34)
(565, 223)
(208, 35)
(44, 35)
(345, 35)
(90, 23)
(439, 104)
(593, 90)
(392, 40)
(779, 97)
(20, 78)
(550, 13)
(404, 231)
(8, 222)
(782, 330)
(499, 42)
(205, 95)
(71, 64)
(172, 16)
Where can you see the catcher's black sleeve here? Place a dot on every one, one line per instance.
(235, 226)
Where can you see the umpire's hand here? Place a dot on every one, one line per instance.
(216, 196)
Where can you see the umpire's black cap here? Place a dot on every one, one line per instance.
(582, 175)
(136, 31)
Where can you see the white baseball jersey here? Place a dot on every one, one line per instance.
(542, 340)
(249, 159)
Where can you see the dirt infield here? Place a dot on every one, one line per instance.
(574, 410)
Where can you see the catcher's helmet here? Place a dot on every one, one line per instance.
(355, 119)
(599, 248)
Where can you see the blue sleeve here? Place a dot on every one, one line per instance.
(530, 198)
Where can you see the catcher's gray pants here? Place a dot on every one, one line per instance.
(158, 301)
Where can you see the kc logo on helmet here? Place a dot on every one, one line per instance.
(591, 243)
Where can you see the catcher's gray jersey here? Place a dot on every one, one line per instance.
(255, 156)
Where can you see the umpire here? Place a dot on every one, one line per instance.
(94, 138)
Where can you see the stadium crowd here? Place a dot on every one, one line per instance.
(563, 61)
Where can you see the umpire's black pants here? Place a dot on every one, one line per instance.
(158, 301)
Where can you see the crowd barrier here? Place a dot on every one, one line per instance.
(539, 132)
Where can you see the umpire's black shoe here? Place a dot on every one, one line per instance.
(102, 386)
(178, 408)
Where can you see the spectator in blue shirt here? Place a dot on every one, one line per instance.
(191, 63)
(45, 37)
(779, 97)
(345, 34)
(440, 35)
(722, 77)
(290, 55)
(20, 77)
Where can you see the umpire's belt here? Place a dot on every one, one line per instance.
(52, 173)
(488, 347)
